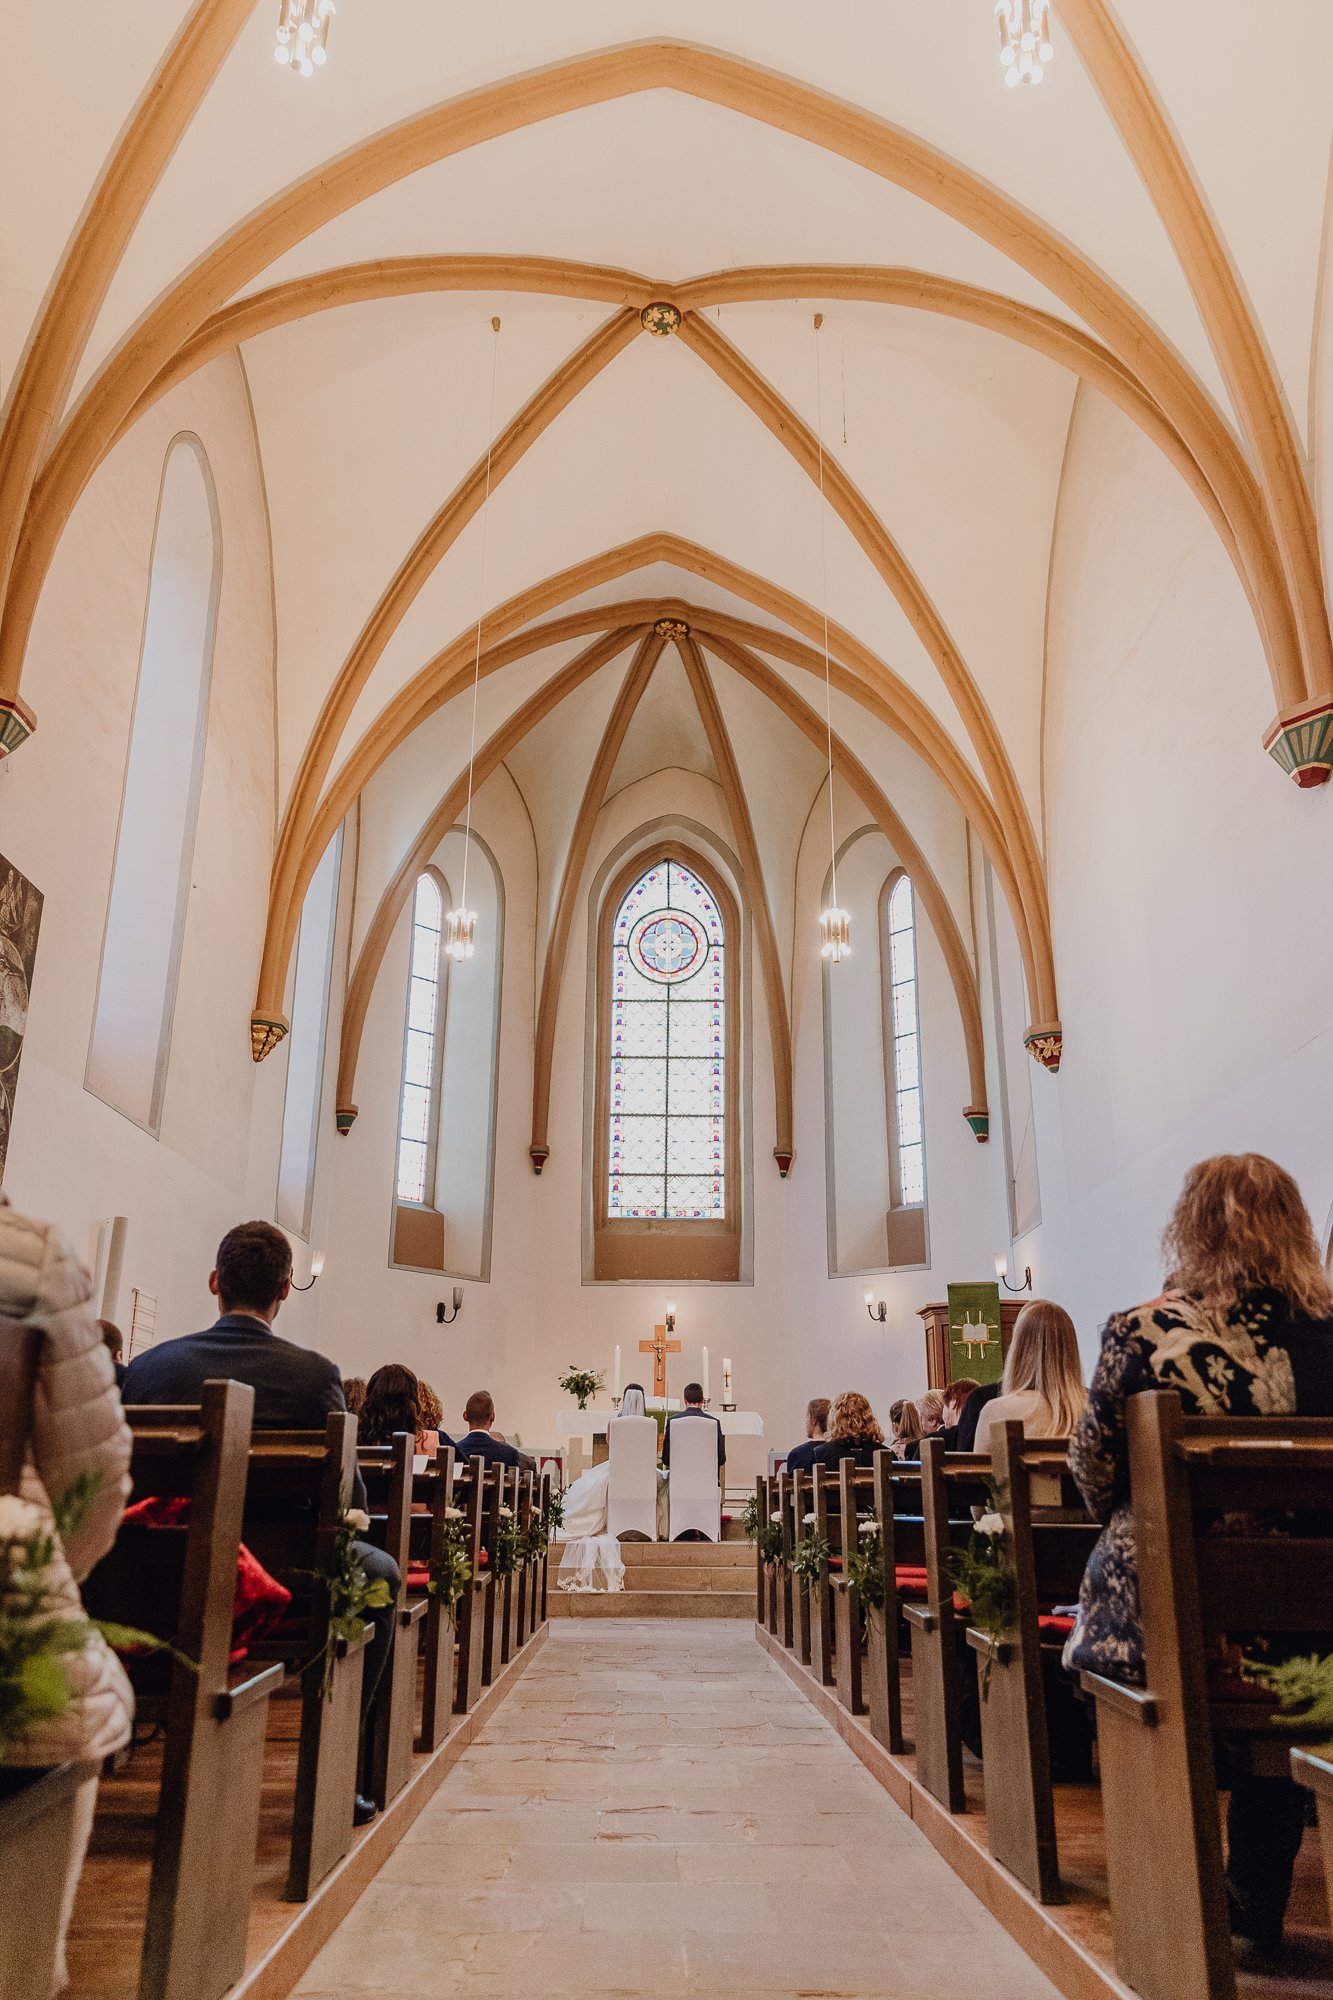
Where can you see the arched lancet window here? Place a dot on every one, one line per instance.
(907, 1150)
(423, 1047)
(150, 876)
(667, 1164)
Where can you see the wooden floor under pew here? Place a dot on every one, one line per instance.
(107, 1929)
(1071, 1942)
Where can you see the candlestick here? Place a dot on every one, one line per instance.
(616, 1390)
(705, 1375)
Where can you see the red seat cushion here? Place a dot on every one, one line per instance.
(260, 1599)
(418, 1576)
(911, 1580)
(1053, 1626)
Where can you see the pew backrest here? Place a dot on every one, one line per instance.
(19, 1345)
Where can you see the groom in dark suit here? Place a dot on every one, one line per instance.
(694, 1407)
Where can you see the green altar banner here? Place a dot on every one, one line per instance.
(974, 1332)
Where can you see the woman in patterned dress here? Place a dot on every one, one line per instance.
(1244, 1328)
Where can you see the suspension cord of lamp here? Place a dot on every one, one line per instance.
(460, 939)
(833, 924)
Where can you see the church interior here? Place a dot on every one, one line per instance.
(666, 692)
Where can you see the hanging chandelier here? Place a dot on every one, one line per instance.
(835, 926)
(1025, 39)
(303, 35)
(460, 926)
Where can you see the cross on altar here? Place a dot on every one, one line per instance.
(659, 1347)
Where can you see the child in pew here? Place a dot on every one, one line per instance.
(1244, 1328)
(71, 1424)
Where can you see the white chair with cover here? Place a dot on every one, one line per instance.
(631, 1495)
(692, 1483)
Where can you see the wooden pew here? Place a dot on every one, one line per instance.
(786, 1630)
(471, 1617)
(296, 1489)
(1049, 1536)
(800, 1585)
(820, 1597)
(950, 1486)
(851, 1621)
(761, 1592)
(524, 1578)
(492, 1488)
(387, 1474)
(1159, 1783)
(1316, 1774)
(429, 1532)
(179, 1583)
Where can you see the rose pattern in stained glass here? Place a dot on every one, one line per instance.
(667, 1137)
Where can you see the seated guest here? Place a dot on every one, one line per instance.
(905, 1425)
(930, 1409)
(966, 1439)
(430, 1436)
(392, 1404)
(694, 1407)
(1243, 1329)
(952, 1402)
(1043, 1387)
(354, 1393)
(802, 1456)
(114, 1342)
(852, 1432)
(295, 1389)
(480, 1438)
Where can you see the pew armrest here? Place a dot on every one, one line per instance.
(411, 1614)
(1313, 1771)
(920, 1616)
(258, 1687)
(1001, 1651)
(1130, 1701)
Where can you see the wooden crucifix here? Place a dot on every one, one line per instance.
(659, 1347)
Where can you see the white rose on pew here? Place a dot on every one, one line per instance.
(990, 1524)
(868, 1525)
(19, 1519)
(356, 1517)
(808, 1519)
(777, 1518)
(453, 1513)
(505, 1513)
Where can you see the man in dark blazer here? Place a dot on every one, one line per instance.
(801, 1457)
(478, 1441)
(694, 1407)
(295, 1389)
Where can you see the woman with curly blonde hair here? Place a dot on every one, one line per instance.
(852, 1431)
(1243, 1329)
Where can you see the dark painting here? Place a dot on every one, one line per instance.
(20, 921)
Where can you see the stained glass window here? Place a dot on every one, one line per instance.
(909, 1177)
(417, 1110)
(667, 1098)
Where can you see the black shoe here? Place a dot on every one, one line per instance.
(363, 1811)
(1258, 1942)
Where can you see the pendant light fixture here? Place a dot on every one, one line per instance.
(460, 926)
(1025, 39)
(303, 35)
(835, 924)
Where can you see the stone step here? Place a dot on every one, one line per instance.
(731, 1556)
(651, 1604)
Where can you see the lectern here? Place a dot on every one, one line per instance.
(937, 1338)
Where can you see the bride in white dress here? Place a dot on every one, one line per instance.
(592, 1559)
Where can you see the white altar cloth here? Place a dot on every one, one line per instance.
(588, 1424)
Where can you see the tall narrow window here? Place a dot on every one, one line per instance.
(908, 1151)
(150, 877)
(667, 1145)
(424, 1047)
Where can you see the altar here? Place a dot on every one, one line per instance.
(589, 1424)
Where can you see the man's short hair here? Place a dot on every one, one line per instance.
(958, 1392)
(254, 1262)
(816, 1412)
(694, 1392)
(112, 1338)
(479, 1410)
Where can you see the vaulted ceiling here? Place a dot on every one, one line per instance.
(976, 254)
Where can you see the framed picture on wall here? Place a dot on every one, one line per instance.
(20, 921)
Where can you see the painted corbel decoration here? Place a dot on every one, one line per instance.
(266, 1031)
(344, 1117)
(17, 723)
(1045, 1045)
(1300, 742)
(979, 1122)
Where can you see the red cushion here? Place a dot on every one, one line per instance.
(835, 1562)
(911, 1580)
(1225, 1684)
(260, 1599)
(418, 1576)
(1055, 1627)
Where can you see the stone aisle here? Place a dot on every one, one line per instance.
(655, 1809)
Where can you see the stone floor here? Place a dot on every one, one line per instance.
(657, 1810)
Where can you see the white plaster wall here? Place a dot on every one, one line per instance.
(1189, 884)
(71, 1156)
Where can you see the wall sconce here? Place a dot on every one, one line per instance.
(316, 1266)
(877, 1308)
(671, 1316)
(1002, 1273)
(443, 1317)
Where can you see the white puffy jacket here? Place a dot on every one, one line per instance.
(77, 1425)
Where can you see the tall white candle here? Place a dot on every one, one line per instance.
(726, 1381)
(705, 1375)
(616, 1390)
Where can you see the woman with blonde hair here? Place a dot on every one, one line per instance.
(852, 1432)
(930, 1409)
(907, 1430)
(1043, 1387)
(1244, 1329)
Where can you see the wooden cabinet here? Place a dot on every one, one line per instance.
(937, 1338)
